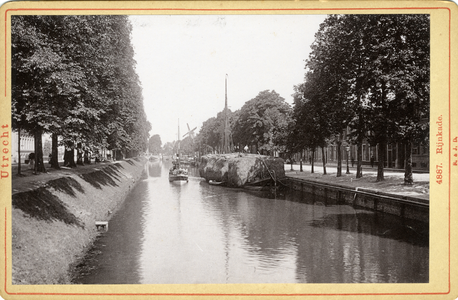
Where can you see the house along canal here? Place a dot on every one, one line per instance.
(198, 233)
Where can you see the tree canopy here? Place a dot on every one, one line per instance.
(262, 121)
(74, 76)
(155, 144)
(368, 73)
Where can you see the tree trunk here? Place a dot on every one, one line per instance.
(300, 161)
(39, 165)
(324, 160)
(313, 158)
(87, 159)
(79, 154)
(339, 157)
(54, 152)
(19, 151)
(291, 160)
(381, 160)
(359, 154)
(382, 143)
(69, 156)
(408, 176)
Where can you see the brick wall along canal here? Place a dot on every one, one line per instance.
(198, 233)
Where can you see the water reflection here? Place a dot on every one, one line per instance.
(113, 259)
(154, 169)
(198, 233)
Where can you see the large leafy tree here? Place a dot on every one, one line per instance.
(376, 68)
(209, 136)
(400, 96)
(312, 117)
(44, 80)
(74, 76)
(155, 144)
(262, 122)
(325, 89)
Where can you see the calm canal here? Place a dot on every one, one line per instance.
(197, 233)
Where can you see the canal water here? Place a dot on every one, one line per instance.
(198, 233)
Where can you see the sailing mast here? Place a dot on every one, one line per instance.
(178, 150)
(226, 146)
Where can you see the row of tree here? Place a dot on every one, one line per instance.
(74, 78)
(261, 124)
(367, 75)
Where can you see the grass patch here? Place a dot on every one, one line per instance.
(98, 179)
(41, 204)
(113, 170)
(130, 162)
(66, 185)
(116, 166)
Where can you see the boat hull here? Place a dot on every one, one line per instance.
(212, 182)
(178, 178)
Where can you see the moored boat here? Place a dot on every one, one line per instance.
(176, 172)
(214, 182)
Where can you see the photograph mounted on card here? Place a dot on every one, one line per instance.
(195, 149)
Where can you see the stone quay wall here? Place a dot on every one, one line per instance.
(402, 206)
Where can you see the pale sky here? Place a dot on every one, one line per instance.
(182, 62)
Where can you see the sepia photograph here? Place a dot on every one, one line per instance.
(203, 151)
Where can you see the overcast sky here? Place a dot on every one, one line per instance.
(183, 60)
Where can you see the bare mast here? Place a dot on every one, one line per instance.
(226, 145)
(178, 149)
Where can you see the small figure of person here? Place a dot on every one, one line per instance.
(372, 161)
(352, 161)
(31, 161)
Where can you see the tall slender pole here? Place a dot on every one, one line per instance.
(178, 149)
(226, 136)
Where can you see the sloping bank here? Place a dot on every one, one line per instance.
(53, 225)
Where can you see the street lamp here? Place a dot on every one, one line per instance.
(348, 154)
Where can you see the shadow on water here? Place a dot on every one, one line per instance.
(377, 224)
(369, 222)
(113, 256)
(343, 217)
(154, 168)
(334, 243)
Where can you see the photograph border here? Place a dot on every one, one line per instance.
(443, 86)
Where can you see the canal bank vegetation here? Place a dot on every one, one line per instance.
(53, 225)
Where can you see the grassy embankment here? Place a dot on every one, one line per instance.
(54, 224)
